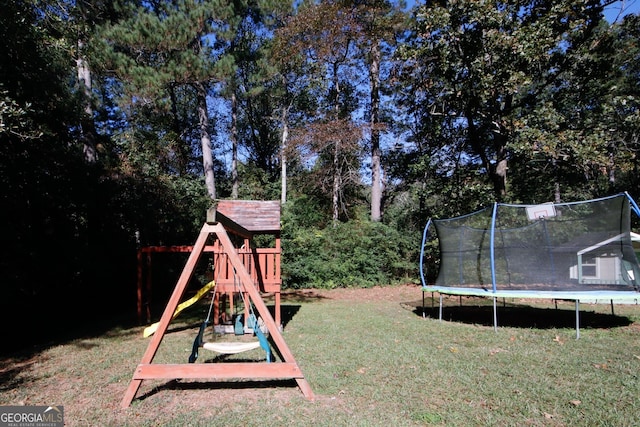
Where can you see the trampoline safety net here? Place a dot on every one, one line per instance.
(582, 246)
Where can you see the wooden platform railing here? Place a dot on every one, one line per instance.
(263, 264)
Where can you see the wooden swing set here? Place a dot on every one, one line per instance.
(248, 220)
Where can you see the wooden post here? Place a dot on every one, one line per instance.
(148, 294)
(156, 339)
(274, 329)
(139, 287)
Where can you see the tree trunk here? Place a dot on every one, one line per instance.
(611, 165)
(500, 177)
(498, 171)
(376, 189)
(87, 125)
(180, 146)
(283, 155)
(335, 193)
(205, 140)
(234, 146)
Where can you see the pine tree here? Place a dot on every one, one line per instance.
(169, 44)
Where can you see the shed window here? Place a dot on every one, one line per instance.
(590, 268)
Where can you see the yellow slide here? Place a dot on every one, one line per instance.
(149, 330)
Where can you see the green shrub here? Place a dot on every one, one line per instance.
(351, 254)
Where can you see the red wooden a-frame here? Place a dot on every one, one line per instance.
(287, 369)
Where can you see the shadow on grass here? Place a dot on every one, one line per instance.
(33, 330)
(523, 316)
(193, 317)
(193, 320)
(32, 335)
(9, 372)
(185, 385)
(302, 295)
(40, 330)
(27, 340)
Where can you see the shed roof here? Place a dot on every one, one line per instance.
(591, 241)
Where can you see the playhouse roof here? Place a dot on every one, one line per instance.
(255, 216)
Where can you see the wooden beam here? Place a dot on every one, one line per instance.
(174, 248)
(274, 330)
(229, 224)
(185, 276)
(213, 371)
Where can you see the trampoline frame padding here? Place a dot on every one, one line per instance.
(586, 296)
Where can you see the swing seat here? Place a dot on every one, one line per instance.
(230, 347)
(223, 347)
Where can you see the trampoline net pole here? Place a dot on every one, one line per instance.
(612, 312)
(577, 319)
(495, 315)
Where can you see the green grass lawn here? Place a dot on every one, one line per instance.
(370, 363)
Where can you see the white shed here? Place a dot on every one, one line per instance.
(597, 264)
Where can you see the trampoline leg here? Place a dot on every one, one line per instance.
(440, 314)
(423, 313)
(495, 315)
(612, 313)
(577, 319)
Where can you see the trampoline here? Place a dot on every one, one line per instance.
(580, 251)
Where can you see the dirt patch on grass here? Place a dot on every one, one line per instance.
(396, 293)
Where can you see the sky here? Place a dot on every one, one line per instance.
(620, 8)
